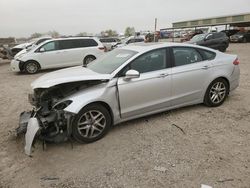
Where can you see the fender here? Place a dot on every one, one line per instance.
(105, 92)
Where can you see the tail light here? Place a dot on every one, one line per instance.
(236, 61)
(103, 48)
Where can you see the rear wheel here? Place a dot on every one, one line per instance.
(88, 59)
(216, 92)
(244, 40)
(31, 67)
(91, 123)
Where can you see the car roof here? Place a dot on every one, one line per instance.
(70, 38)
(142, 47)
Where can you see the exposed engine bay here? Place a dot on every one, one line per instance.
(53, 123)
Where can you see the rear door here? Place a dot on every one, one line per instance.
(152, 90)
(189, 75)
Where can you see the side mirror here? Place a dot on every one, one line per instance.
(42, 50)
(131, 74)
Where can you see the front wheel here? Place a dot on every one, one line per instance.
(31, 67)
(91, 123)
(216, 92)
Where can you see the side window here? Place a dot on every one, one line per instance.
(66, 44)
(207, 55)
(129, 41)
(88, 43)
(151, 61)
(185, 56)
(50, 46)
(209, 37)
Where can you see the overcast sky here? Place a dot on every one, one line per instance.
(23, 17)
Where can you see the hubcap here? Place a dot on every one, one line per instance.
(217, 92)
(31, 67)
(91, 124)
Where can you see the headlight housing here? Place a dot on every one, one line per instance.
(62, 105)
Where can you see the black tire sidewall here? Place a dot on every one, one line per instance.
(98, 107)
(207, 100)
(88, 57)
(28, 62)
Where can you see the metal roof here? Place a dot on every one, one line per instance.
(240, 20)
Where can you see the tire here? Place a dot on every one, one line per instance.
(216, 93)
(31, 67)
(94, 118)
(88, 59)
(244, 40)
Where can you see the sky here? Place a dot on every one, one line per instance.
(21, 18)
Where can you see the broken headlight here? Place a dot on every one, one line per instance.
(62, 105)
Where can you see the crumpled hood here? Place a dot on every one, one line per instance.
(73, 74)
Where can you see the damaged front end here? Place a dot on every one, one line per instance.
(48, 121)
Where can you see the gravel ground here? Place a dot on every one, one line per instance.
(147, 152)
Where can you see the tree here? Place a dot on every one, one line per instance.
(129, 31)
(82, 34)
(54, 34)
(109, 33)
(36, 35)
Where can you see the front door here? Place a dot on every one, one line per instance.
(152, 90)
(50, 57)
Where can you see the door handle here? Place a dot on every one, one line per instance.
(163, 75)
(205, 67)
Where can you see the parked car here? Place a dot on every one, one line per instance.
(34, 42)
(218, 41)
(56, 53)
(241, 37)
(129, 40)
(109, 42)
(190, 34)
(230, 32)
(124, 84)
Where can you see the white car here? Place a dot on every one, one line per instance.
(31, 44)
(127, 83)
(109, 42)
(129, 40)
(56, 53)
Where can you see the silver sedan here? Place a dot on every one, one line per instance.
(126, 83)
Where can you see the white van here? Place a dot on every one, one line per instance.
(55, 53)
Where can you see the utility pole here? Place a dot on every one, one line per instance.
(155, 29)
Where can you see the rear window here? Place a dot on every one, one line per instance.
(219, 35)
(207, 55)
(88, 43)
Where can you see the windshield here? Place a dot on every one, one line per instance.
(109, 62)
(197, 38)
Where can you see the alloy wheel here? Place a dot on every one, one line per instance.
(217, 92)
(91, 124)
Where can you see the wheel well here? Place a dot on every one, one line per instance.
(89, 56)
(21, 66)
(224, 78)
(107, 107)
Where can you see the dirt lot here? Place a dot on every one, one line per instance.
(148, 152)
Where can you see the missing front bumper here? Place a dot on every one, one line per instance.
(32, 129)
(29, 126)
